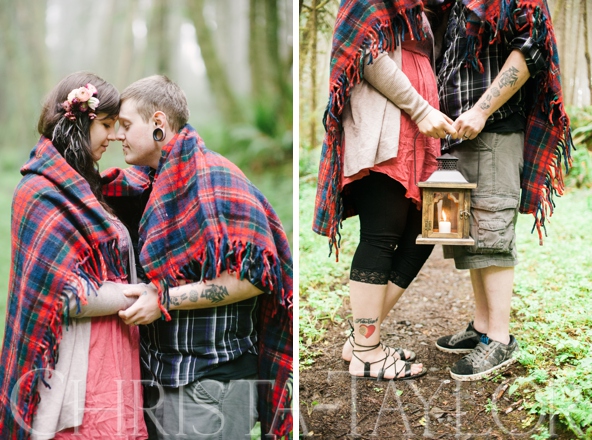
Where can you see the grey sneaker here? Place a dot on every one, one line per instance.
(487, 359)
(463, 342)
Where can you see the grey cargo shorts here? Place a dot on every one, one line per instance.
(494, 161)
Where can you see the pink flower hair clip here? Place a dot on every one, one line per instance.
(81, 100)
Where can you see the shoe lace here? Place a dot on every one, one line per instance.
(478, 353)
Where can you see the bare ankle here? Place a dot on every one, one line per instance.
(480, 327)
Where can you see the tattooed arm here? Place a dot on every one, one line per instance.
(512, 76)
(226, 289)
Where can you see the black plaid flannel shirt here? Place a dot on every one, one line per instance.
(461, 86)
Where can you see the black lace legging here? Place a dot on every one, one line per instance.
(389, 225)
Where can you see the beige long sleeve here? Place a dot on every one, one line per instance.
(108, 300)
(386, 77)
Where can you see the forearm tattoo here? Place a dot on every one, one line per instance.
(193, 295)
(215, 293)
(509, 77)
(178, 300)
(487, 103)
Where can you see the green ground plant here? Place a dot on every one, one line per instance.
(323, 280)
(580, 174)
(551, 314)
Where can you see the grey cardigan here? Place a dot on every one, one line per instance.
(372, 117)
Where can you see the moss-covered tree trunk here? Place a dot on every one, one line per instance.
(220, 85)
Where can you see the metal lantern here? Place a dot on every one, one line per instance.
(446, 205)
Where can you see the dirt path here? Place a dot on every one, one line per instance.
(439, 302)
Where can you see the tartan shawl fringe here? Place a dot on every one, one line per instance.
(381, 29)
(51, 249)
(93, 269)
(237, 257)
(548, 141)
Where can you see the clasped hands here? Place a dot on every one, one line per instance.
(467, 126)
(146, 307)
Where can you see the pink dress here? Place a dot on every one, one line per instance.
(113, 408)
(405, 168)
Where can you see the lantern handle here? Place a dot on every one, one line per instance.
(448, 137)
(447, 140)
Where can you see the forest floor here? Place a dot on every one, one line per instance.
(439, 302)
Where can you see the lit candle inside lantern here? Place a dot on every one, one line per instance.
(444, 226)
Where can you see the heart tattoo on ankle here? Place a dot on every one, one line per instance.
(367, 330)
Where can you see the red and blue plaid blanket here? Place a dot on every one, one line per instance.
(60, 232)
(547, 141)
(204, 217)
(362, 27)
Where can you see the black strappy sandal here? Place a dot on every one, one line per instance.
(380, 377)
(388, 350)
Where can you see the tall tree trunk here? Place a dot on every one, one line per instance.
(273, 47)
(302, 66)
(278, 87)
(587, 48)
(223, 94)
(125, 66)
(576, 32)
(560, 24)
(158, 36)
(109, 36)
(289, 19)
(257, 49)
(304, 49)
(8, 41)
(164, 44)
(313, 73)
(34, 26)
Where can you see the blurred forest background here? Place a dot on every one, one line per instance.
(233, 59)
